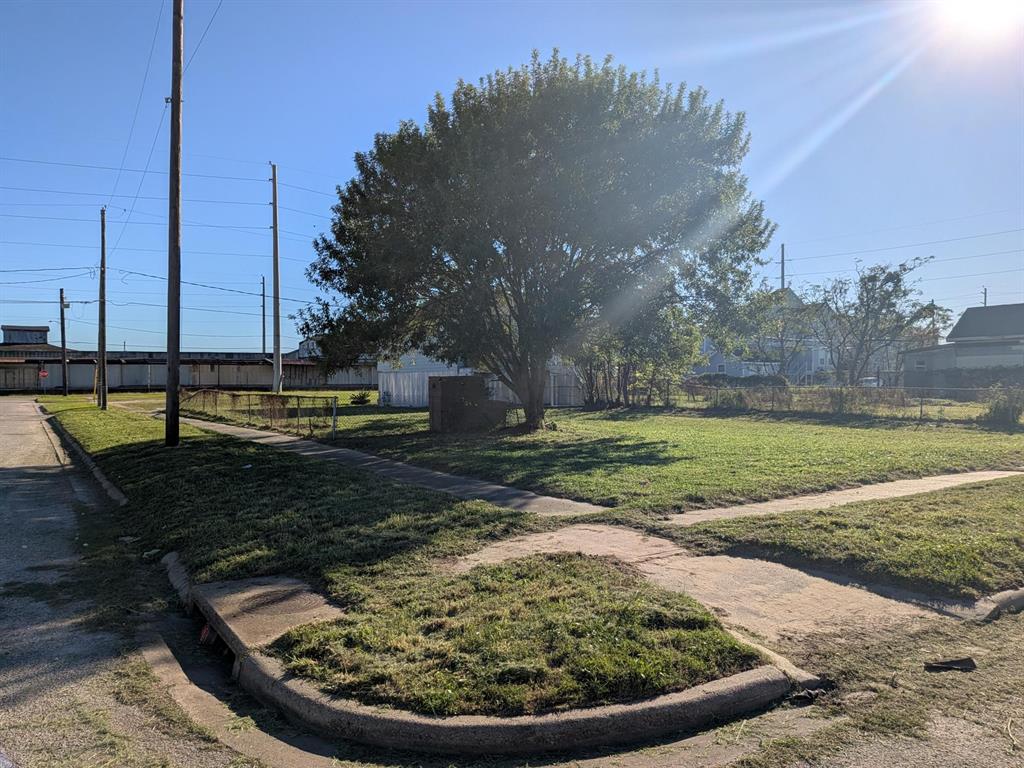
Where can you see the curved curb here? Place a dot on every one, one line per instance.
(111, 490)
(303, 703)
(1008, 601)
(691, 710)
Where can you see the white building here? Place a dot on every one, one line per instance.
(404, 383)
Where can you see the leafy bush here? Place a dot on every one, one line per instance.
(360, 398)
(732, 400)
(1005, 407)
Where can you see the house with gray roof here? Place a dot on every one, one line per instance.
(985, 347)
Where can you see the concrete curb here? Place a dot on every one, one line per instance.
(800, 677)
(1008, 601)
(303, 703)
(111, 490)
(692, 710)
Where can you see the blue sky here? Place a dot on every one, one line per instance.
(874, 127)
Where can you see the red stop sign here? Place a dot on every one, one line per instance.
(43, 374)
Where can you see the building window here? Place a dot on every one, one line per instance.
(919, 365)
(213, 367)
(721, 367)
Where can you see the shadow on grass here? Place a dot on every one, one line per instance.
(529, 461)
(853, 420)
(235, 509)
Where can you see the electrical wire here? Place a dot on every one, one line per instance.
(128, 170)
(189, 252)
(50, 269)
(201, 38)
(138, 102)
(208, 285)
(906, 245)
(296, 186)
(139, 197)
(136, 223)
(46, 279)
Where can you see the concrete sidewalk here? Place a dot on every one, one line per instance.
(462, 487)
(875, 491)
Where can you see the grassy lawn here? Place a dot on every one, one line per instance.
(966, 541)
(532, 635)
(664, 461)
(235, 509)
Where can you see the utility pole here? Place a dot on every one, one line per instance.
(263, 293)
(984, 296)
(782, 277)
(277, 289)
(174, 231)
(63, 347)
(101, 356)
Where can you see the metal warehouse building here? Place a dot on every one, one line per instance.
(29, 363)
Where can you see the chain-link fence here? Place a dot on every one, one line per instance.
(302, 414)
(946, 404)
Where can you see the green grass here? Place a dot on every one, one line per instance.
(664, 461)
(234, 509)
(532, 635)
(967, 541)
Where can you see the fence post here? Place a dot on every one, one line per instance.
(298, 413)
(248, 408)
(334, 417)
(921, 413)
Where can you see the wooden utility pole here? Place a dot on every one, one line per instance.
(171, 430)
(783, 275)
(277, 289)
(63, 348)
(101, 354)
(263, 326)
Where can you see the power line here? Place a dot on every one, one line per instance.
(202, 36)
(151, 250)
(128, 170)
(296, 186)
(308, 213)
(142, 179)
(138, 197)
(908, 245)
(45, 279)
(974, 274)
(207, 285)
(905, 226)
(932, 261)
(49, 269)
(138, 102)
(136, 223)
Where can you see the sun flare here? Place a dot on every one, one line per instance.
(982, 19)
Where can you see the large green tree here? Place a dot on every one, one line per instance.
(527, 205)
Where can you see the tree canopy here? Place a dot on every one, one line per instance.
(857, 319)
(526, 206)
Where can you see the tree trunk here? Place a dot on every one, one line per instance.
(530, 391)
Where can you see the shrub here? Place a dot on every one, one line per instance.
(1005, 407)
(361, 397)
(732, 400)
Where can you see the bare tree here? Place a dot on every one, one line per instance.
(856, 319)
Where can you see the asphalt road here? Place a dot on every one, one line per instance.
(58, 675)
